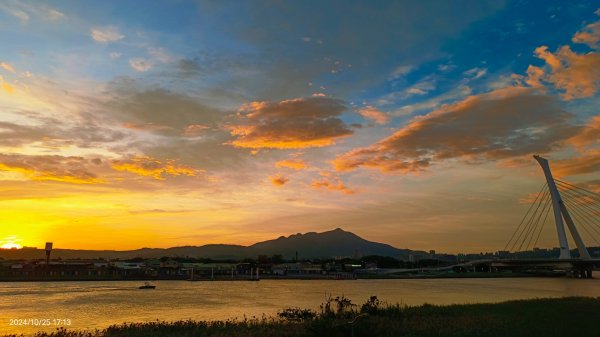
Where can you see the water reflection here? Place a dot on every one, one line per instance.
(99, 304)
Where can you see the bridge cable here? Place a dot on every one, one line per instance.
(529, 226)
(523, 219)
(583, 212)
(591, 193)
(527, 219)
(535, 219)
(577, 200)
(543, 224)
(540, 224)
(582, 193)
(584, 204)
(591, 209)
(582, 218)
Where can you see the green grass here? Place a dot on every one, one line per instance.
(570, 316)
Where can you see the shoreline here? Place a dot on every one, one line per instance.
(339, 317)
(305, 278)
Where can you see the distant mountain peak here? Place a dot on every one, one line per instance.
(327, 244)
(332, 243)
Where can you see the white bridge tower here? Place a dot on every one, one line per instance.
(560, 213)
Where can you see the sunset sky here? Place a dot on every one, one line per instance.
(129, 124)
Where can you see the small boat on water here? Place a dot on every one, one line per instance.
(147, 285)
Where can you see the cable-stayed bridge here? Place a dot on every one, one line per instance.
(559, 202)
(570, 205)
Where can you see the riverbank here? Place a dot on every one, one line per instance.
(570, 316)
(460, 275)
(305, 277)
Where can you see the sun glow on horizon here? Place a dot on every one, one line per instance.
(10, 242)
(117, 135)
(11, 246)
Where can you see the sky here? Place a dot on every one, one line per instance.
(173, 123)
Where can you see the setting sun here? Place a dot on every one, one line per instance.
(10, 242)
(11, 246)
(374, 168)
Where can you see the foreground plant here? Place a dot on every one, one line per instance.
(338, 316)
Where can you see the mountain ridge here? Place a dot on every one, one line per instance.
(328, 244)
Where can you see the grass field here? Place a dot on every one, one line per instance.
(570, 316)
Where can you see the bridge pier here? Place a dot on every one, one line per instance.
(580, 273)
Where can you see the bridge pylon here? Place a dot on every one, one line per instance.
(560, 213)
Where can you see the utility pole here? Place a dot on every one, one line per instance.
(48, 251)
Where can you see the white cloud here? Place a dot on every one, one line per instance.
(106, 34)
(433, 103)
(114, 56)
(140, 64)
(17, 13)
(53, 14)
(502, 81)
(25, 10)
(400, 71)
(160, 54)
(446, 67)
(424, 86)
(415, 91)
(475, 73)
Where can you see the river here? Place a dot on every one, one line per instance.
(90, 305)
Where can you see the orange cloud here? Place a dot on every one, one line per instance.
(590, 35)
(146, 126)
(586, 142)
(294, 164)
(589, 135)
(193, 130)
(529, 198)
(332, 183)
(593, 185)
(583, 198)
(589, 162)
(7, 67)
(290, 124)
(279, 180)
(75, 170)
(371, 113)
(150, 167)
(502, 124)
(578, 75)
(534, 77)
